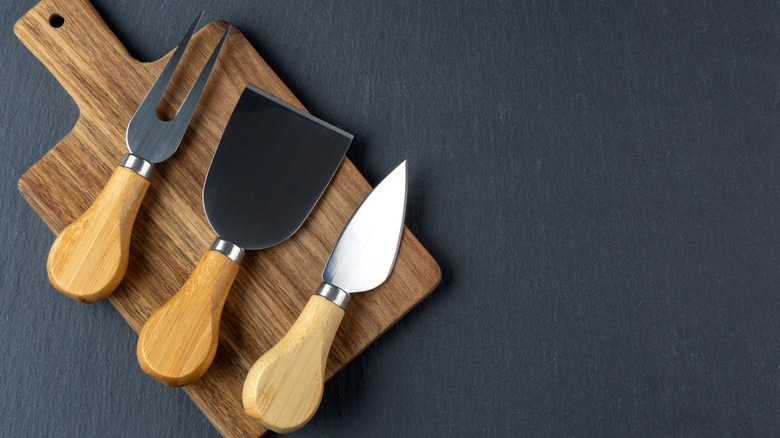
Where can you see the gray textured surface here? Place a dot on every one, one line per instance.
(598, 181)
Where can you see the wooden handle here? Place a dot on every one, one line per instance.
(284, 387)
(178, 342)
(71, 39)
(89, 257)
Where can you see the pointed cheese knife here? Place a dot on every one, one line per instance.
(284, 387)
(272, 165)
(89, 258)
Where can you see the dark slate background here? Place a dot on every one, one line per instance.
(598, 181)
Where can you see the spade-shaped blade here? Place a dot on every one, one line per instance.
(272, 165)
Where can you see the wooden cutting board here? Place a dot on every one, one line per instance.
(171, 231)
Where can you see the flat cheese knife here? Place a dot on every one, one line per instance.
(272, 165)
(89, 258)
(284, 387)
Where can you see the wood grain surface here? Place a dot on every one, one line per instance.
(89, 258)
(284, 387)
(171, 229)
(179, 340)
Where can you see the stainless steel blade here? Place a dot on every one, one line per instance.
(365, 254)
(272, 165)
(148, 136)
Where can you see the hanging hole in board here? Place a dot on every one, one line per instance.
(56, 20)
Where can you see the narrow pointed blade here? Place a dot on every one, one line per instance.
(365, 253)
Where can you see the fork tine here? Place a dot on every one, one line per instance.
(155, 94)
(191, 101)
(155, 139)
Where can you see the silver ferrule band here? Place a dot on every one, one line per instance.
(229, 250)
(335, 295)
(137, 165)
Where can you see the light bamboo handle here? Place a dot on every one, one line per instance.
(178, 342)
(89, 257)
(284, 387)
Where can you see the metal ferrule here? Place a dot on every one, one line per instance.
(229, 250)
(137, 165)
(335, 295)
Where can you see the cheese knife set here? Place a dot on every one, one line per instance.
(271, 166)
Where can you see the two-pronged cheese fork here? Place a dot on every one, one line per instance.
(89, 258)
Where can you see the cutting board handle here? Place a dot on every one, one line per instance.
(76, 45)
(284, 387)
(178, 342)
